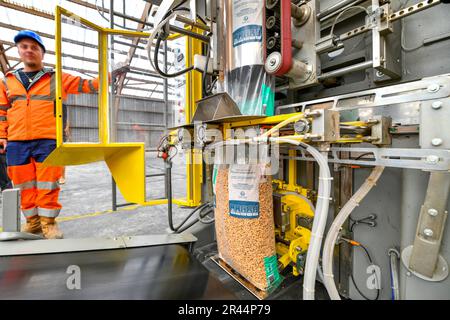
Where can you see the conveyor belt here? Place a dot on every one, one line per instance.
(157, 272)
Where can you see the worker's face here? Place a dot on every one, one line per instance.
(30, 53)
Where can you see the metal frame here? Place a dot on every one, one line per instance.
(19, 248)
(132, 184)
(194, 167)
(421, 159)
(429, 88)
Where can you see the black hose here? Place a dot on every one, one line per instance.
(354, 282)
(169, 200)
(162, 73)
(178, 228)
(205, 71)
(198, 219)
(158, 44)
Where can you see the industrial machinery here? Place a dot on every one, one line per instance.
(351, 117)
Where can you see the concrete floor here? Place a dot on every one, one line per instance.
(86, 198)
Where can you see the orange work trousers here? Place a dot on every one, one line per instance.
(38, 184)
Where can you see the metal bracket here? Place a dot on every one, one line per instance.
(424, 257)
(380, 131)
(422, 159)
(326, 126)
(434, 126)
(416, 91)
(11, 210)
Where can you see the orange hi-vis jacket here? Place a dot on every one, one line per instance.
(29, 115)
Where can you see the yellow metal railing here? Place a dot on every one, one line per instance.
(126, 161)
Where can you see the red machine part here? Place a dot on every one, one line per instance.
(286, 37)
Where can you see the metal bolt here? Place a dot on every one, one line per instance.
(408, 274)
(380, 74)
(433, 212)
(432, 159)
(428, 232)
(436, 142)
(272, 62)
(437, 105)
(433, 88)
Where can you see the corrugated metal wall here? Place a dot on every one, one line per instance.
(139, 119)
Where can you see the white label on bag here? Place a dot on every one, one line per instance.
(243, 191)
(247, 29)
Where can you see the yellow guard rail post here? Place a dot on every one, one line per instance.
(126, 161)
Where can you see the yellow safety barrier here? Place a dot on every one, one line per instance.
(126, 161)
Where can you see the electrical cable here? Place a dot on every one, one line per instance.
(364, 220)
(156, 33)
(362, 155)
(177, 228)
(209, 221)
(339, 220)
(205, 70)
(156, 63)
(198, 219)
(353, 279)
(341, 13)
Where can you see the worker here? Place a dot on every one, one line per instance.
(28, 132)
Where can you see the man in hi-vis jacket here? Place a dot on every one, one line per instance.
(28, 132)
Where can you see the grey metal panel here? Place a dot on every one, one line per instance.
(20, 248)
(384, 201)
(396, 200)
(411, 287)
(11, 210)
(426, 61)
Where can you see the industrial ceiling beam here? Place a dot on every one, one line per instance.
(87, 4)
(66, 55)
(48, 15)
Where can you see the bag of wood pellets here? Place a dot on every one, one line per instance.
(245, 224)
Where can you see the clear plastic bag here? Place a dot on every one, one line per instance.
(245, 229)
(246, 80)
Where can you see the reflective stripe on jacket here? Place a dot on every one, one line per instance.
(30, 115)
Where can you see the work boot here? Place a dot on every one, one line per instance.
(50, 228)
(33, 225)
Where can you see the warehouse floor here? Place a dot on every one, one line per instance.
(86, 198)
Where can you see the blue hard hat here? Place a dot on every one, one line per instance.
(31, 35)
